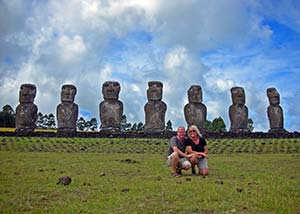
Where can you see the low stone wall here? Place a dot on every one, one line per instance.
(166, 135)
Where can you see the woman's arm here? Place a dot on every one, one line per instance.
(189, 149)
(197, 154)
(206, 150)
(202, 154)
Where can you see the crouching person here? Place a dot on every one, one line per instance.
(177, 158)
(197, 147)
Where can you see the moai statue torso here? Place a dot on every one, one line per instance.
(111, 109)
(238, 111)
(26, 111)
(275, 113)
(195, 111)
(67, 110)
(155, 109)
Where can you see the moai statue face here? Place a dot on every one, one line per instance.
(111, 90)
(154, 92)
(238, 95)
(195, 94)
(68, 93)
(273, 95)
(27, 93)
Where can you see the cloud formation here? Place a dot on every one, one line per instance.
(217, 44)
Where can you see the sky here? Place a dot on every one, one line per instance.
(217, 44)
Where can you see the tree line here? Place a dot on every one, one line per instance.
(47, 121)
(126, 126)
(7, 117)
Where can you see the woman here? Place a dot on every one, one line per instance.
(196, 145)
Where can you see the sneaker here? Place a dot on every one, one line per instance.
(178, 171)
(193, 172)
(176, 175)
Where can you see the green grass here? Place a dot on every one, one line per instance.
(131, 176)
(141, 146)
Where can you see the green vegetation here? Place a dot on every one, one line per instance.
(45, 121)
(217, 125)
(7, 117)
(143, 145)
(130, 176)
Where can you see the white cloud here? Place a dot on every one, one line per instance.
(135, 88)
(175, 58)
(214, 108)
(71, 48)
(221, 85)
(202, 25)
(224, 85)
(106, 72)
(90, 8)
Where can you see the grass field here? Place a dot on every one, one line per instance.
(131, 176)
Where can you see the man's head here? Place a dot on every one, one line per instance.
(181, 132)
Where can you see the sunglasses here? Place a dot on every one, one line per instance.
(192, 131)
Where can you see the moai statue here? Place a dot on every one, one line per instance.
(67, 110)
(238, 111)
(195, 111)
(26, 111)
(275, 113)
(155, 109)
(111, 109)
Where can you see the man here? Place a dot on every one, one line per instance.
(177, 158)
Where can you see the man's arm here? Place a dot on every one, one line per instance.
(179, 152)
(173, 145)
(189, 151)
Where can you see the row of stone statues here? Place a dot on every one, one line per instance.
(111, 109)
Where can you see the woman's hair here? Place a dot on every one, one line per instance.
(193, 127)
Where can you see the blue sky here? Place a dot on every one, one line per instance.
(217, 44)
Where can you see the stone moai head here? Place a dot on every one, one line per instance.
(111, 90)
(195, 94)
(273, 95)
(154, 92)
(27, 93)
(68, 93)
(238, 95)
